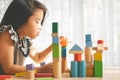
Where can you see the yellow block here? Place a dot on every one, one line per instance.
(21, 74)
(98, 56)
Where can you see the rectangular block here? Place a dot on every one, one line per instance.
(88, 43)
(89, 72)
(89, 65)
(56, 50)
(63, 52)
(3, 77)
(54, 27)
(88, 37)
(55, 39)
(98, 69)
(97, 56)
(21, 74)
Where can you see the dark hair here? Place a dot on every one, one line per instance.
(19, 12)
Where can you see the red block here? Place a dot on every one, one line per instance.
(77, 57)
(41, 75)
(3, 77)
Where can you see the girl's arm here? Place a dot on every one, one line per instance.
(39, 56)
(7, 55)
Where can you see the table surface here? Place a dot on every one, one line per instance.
(108, 74)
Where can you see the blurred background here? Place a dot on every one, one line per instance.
(76, 18)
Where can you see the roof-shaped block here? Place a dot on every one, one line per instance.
(76, 49)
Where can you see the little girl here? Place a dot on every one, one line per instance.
(21, 23)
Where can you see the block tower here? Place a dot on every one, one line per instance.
(56, 51)
(78, 66)
(63, 42)
(98, 64)
(88, 56)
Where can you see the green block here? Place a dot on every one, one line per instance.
(43, 78)
(98, 69)
(55, 27)
(56, 50)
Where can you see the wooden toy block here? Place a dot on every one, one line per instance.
(57, 69)
(21, 74)
(77, 57)
(55, 40)
(88, 54)
(76, 52)
(63, 52)
(74, 69)
(54, 34)
(89, 65)
(76, 49)
(44, 79)
(88, 43)
(42, 63)
(4, 77)
(30, 66)
(98, 69)
(43, 75)
(54, 27)
(64, 65)
(98, 56)
(56, 59)
(56, 50)
(95, 48)
(89, 72)
(31, 74)
(88, 37)
(82, 69)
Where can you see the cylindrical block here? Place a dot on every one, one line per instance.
(57, 69)
(31, 74)
(64, 64)
(88, 53)
(74, 69)
(78, 57)
(82, 69)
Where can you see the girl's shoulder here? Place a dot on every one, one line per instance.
(5, 37)
(7, 32)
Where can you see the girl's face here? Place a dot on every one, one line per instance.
(33, 27)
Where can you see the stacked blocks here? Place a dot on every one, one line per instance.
(56, 51)
(63, 42)
(88, 56)
(78, 66)
(98, 65)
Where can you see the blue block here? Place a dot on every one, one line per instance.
(88, 43)
(82, 69)
(55, 39)
(88, 37)
(74, 69)
(63, 51)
